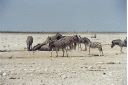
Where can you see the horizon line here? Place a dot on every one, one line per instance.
(59, 32)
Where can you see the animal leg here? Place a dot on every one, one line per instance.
(51, 52)
(85, 47)
(100, 50)
(71, 46)
(102, 53)
(75, 46)
(66, 52)
(63, 52)
(28, 47)
(80, 47)
(121, 50)
(89, 50)
(56, 53)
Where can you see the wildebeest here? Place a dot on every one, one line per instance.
(120, 43)
(29, 42)
(57, 45)
(96, 45)
(125, 41)
(41, 47)
(37, 47)
(83, 40)
(45, 48)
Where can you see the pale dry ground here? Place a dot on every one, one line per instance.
(19, 67)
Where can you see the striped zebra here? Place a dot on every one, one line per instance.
(87, 42)
(83, 40)
(96, 45)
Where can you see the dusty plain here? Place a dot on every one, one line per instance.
(20, 67)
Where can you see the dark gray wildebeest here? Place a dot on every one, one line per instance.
(29, 42)
(57, 45)
(125, 41)
(41, 47)
(120, 43)
(96, 45)
(83, 40)
(57, 36)
(37, 47)
(45, 48)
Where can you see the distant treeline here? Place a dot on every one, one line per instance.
(54, 32)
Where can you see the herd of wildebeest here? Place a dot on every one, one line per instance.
(65, 43)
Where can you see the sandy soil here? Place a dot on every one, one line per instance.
(20, 67)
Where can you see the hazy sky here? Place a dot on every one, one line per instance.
(63, 15)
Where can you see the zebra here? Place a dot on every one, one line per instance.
(96, 45)
(120, 43)
(57, 45)
(71, 41)
(63, 43)
(87, 42)
(83, 40)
